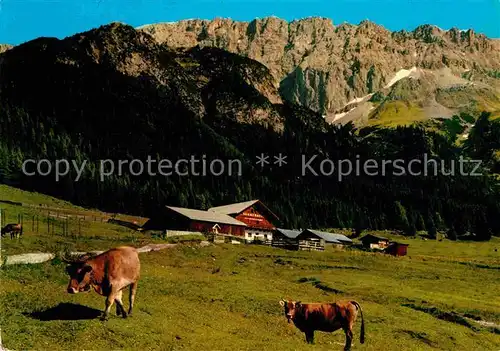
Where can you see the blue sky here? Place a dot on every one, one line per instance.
(23, 20)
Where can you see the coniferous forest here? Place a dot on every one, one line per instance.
(84, 98)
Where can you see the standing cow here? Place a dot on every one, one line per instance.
(109, 274)
(15, 229)
(326, 317)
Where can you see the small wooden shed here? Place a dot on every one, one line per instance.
(397, 249)
(310, 241)
(286, 238)
(298, 240)
(371, 241)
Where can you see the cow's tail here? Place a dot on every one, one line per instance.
(362, 333)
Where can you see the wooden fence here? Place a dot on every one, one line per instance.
(285, 243)
(310, 244)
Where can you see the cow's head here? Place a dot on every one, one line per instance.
(290, 308)
(79, 275)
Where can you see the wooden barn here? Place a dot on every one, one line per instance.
(331, 238)
(286, 238)
(309, 241)
(260, 220)
(397, 249)
(178, 218)
(371, 241)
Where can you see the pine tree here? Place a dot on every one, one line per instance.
(431, 227)
(401, 218)
(452, 234)
(420, 223)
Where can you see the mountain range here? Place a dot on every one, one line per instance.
(121, 93)
(362, 73)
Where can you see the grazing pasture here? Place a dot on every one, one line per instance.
(226, 297)
(93, 233)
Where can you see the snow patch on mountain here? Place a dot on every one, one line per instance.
(404, 73)
(360, 99)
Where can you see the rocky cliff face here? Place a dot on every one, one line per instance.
(324, 66)
(4, 47)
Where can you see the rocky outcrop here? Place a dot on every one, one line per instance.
(4, 47)
(34, 258)
(29, 258)
(324, 66)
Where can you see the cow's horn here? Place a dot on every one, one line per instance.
(69, 261)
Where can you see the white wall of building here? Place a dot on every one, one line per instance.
(256, 234)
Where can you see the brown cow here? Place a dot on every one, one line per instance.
(326, 317)
(108, 273)
(12, 228)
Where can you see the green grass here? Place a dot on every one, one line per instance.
(184, 303)
(90, 234)
(32, 198)
(187, 63)
(85, 235)
(396, 113)
(457, 251)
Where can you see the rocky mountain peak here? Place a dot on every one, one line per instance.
(4, 47)
(324, 67)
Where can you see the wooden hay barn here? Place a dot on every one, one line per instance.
(397, 249)
(186, 219)
(371, 241)
(286, 238)
(308, 239)
(260, 220)
(331, 238)
(298, 240)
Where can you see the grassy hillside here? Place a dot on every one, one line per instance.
(226, 298)
(92, 233)
(119, 85)
(34, 198)
(396, 113)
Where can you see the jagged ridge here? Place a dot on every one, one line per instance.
(323, 66)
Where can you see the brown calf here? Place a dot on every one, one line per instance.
(326, 317)
(108, 273)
